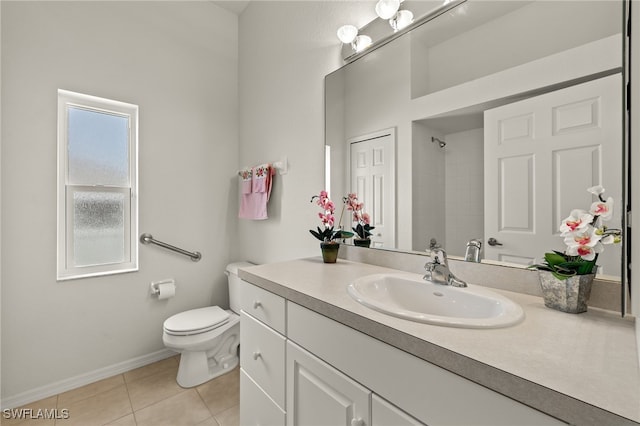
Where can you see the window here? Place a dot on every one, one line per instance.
(97, 178)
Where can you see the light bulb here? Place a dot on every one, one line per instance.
(361, 42)
(402, 19)
(347, 33)
(385, 9)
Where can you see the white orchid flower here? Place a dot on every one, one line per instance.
(596, 190)
(609, 239)
(603, 209)
(585, 252)
(576, 222)
(587, 237)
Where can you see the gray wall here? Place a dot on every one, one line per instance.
(178, 62)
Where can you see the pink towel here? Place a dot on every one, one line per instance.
(253, 204)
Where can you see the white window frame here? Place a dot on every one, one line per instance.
(66, 269)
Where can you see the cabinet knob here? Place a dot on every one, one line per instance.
(256, 304)
(256, 355)
(357, 422)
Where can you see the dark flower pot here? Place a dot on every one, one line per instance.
(362, 242)
(329, 252)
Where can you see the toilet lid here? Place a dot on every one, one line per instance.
(196, 321)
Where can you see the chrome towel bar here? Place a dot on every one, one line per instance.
(148, 239)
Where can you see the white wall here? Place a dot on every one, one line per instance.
(286, 49)
(178, 62)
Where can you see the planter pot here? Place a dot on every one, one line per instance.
(362, 242)
(329, 252)
(570, 295)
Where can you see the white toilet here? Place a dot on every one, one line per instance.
(207, 338)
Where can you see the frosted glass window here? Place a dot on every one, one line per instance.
(98, 147)
(97, 186)
(98, 228)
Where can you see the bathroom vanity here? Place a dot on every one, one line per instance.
(310, 354)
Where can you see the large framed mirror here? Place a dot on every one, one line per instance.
(499, 115)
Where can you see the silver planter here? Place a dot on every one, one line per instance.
(570, 295)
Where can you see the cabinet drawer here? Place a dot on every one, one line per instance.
(263, 305)
(256, 408)
(262, 356)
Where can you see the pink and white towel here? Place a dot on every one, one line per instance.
(255, 191)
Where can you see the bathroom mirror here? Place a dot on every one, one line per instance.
(493, 119)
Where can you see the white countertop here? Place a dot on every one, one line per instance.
(580, 368)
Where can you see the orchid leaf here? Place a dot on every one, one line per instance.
(554, 258)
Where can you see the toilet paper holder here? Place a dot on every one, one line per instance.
(155, 285)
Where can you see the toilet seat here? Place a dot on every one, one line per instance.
(196, 321)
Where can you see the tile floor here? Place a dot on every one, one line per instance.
(145, 396)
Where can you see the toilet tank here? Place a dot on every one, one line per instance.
(234, 284)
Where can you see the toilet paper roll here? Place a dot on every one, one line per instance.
(166, 290)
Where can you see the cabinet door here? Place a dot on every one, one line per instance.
(386, 414)
(318, 394)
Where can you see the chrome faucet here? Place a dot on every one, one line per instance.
(472, 253)
(437, 270)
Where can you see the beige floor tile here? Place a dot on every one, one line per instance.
(221, 393)
(151, 369)
(229, 417)
(66, 398)
(209, 422)
(29, 415)
(154, 388)
(184, 409)
(128, 420)
(99, 409)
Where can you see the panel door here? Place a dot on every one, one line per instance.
(318, 394)
(373, 180)
(551, 147)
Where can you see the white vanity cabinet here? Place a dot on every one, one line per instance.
(300, 368)
(424, 391)
(262, 357)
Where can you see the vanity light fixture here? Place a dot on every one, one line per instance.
(361, 42)
(349, 34)
(385, 9)
(401, 20)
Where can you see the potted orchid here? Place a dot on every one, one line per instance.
(326, 234)
(566, 277)
(362, 220)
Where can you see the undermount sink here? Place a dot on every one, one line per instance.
(410, 297)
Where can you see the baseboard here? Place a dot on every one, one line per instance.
(83, 379)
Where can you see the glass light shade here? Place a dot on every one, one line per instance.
(385, 9)
(347, 33)
(402, 19)
(361, 42)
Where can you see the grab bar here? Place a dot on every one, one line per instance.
(148, 239)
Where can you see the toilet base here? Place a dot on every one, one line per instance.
(195, 368)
